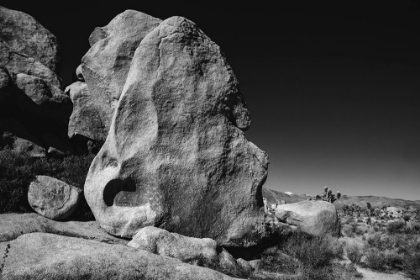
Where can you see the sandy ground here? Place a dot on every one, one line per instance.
(373, 275)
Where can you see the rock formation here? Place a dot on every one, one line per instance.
(34, 111)
(52, 198)
(176, 156)
(104, 69)
(314, 217)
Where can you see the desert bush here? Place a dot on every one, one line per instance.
(396, 227)
(18, 170)
(354, 253)
(375, 259)
(411, 265)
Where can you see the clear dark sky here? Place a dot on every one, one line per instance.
(333, 88)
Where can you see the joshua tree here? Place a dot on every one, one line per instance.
(327, 195)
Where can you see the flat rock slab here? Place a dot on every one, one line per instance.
(14, 225)
(48, 256)
(52, 198)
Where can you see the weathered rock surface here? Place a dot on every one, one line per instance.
(52, 198)
(17, 62)
(47, 256)
(176, 156)
(27, 36)
(30, 89)
(88, 115)
(164, 243)
(105, 67)
(14, 225)
(314, 217)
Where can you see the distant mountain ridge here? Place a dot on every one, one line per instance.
(274, 196)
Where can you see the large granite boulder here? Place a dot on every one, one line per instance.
(52, 198)
(48, 256)
(176, 156)
(30, 89)
(104, 68)
(187, 249)
(25, 35)
(314, 217)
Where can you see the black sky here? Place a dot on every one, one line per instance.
(333, 87)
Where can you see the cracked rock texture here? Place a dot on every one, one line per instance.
(176, 156)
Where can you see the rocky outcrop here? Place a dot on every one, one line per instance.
(314, 217)
(104, 68)
(30, 90)
(52, 198)
(164, 243)
(176, 137)
(14, 225)
(47, 256)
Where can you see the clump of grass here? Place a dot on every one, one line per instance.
(18, 170)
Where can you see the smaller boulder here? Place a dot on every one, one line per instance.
(313, 217)
(52, 198)
(228, 264)
(184, 248)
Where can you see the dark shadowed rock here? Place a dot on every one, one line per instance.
(314, 217)
(53, 198)
(33, 97)
(5, 84)
(48, 256)
(23, 34)
(176, 156)
(14, 225)
(106, 64)
(165, 243)
(44, 100)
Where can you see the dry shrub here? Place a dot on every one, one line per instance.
(354, 253)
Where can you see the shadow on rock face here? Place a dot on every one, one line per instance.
(115, 187)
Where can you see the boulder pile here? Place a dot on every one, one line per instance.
(34, 111)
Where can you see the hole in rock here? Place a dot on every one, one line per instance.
(116, 190)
